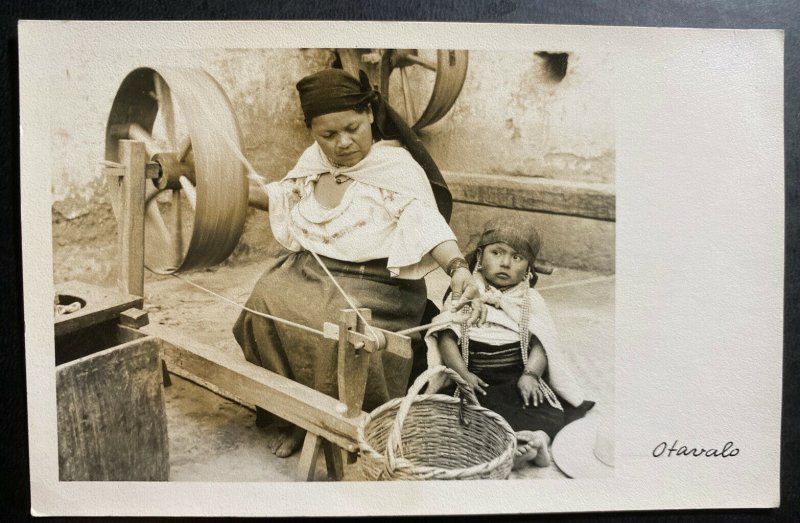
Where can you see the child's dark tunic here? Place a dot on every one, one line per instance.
(501, 367)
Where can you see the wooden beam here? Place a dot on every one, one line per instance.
(527, 193)
(101, 305)
(234, 377)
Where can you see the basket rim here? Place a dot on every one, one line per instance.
(408, 467)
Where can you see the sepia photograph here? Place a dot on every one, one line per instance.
(228, 210)
(336, 262)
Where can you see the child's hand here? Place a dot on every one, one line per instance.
(529, 389)
(475, 383)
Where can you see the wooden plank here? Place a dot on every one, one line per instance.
(301, 405)
(101, 305)
(112, 424)
(133, 157)
(588, 200)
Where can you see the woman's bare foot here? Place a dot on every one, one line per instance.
(287, 440)
(533, 447)
(272, 434)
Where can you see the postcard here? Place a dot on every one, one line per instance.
(298, 268)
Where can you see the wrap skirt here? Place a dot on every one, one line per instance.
(296, 288)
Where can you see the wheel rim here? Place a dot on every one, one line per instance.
(402, 68)
(188, 125)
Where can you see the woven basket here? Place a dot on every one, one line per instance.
(433, 436)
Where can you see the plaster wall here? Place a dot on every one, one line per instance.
(511, 118)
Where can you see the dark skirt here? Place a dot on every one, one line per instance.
(296, 288)
(501, 367)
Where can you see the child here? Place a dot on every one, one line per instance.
(509, 360)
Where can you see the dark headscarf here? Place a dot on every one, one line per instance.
(520, 235)
(334, 90)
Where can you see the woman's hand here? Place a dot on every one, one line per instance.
(466, 291)
(529, 389)
(475, 383)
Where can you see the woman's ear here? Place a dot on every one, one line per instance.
(370, 115)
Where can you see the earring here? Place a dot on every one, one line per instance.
(478, 266)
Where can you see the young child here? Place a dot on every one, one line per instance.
(512, 360)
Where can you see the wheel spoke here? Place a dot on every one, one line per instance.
(184, 146)
(189, 189)
(152, 192)
(164, 97)
(411, 113)
(135, 132)
(177, 226)
(424, 62)
(158, 222)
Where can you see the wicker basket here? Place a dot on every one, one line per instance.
(433, 436)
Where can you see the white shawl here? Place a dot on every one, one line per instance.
(387, 166)
(417, 226)
(540, 324)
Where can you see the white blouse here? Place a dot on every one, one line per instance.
(368, 223)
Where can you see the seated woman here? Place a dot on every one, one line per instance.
(376, 218)
(509, 360)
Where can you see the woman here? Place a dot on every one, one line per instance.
(378, 220)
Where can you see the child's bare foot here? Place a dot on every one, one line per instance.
(288, 440)
(533, 447)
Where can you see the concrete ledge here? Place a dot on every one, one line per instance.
(567, 241)
(586, 200)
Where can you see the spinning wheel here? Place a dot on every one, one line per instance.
(421, 84)
(403, 68)
(196, 199)
(179, 192)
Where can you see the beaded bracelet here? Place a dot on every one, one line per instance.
(455, 264)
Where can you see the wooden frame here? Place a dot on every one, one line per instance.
(331, 425)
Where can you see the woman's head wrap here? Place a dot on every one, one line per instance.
(334, 90)
(520, 235)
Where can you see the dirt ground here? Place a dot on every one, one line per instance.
(214, 439)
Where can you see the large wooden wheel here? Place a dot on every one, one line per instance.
(422, 84)
(196, 206)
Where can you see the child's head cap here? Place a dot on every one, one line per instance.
(520, 235)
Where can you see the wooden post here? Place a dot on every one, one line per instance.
(353, 362)
(333, 460)
(133, 158)
(307, 466)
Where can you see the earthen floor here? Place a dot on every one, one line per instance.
(214, 439)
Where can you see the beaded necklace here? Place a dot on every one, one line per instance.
(524, 343)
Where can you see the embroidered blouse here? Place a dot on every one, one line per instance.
(368, 223)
